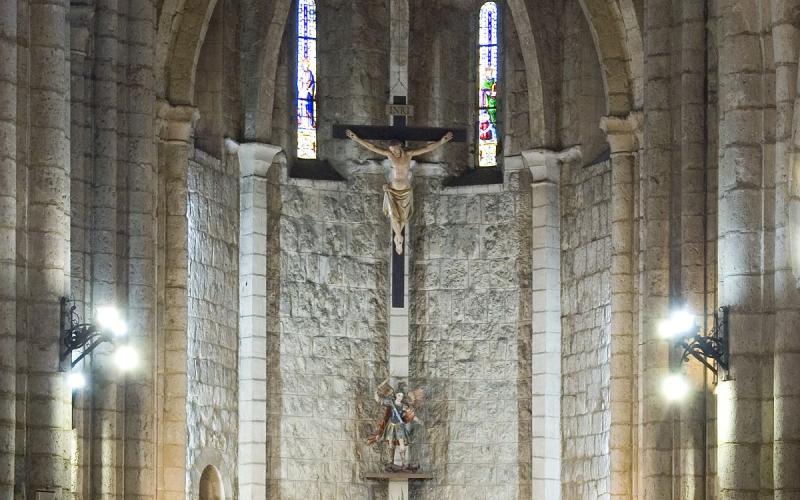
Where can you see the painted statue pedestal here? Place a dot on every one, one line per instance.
(398, 481)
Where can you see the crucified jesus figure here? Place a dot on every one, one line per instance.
(398, 200)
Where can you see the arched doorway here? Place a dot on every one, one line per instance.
(211, 484)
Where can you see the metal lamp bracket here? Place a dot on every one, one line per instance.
(75, 334)
(714, 346)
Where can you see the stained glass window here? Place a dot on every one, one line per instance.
(306, 79)
(487, 85)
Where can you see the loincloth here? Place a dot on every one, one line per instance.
(398, 204)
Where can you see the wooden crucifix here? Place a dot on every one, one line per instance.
(398, 197)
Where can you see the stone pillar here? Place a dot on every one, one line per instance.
(8, 247)
(23, 161)
(106, 395)
(104, 173)
(142, 180)
(741, 247)
(176, 126)
(48, 399)
(81, 20)
(786, 452)
(255, 160)
(689, 219)
(624, 138)
(654, 460)
(546, 319)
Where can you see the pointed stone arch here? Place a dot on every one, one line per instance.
(540, 122)
(182, 27)
(634, 46)
(260, 98)
(210, 477)
(618, 41)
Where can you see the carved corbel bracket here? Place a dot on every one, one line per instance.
(255, 158)
(624, 133)
(176, 123)
(545, 164)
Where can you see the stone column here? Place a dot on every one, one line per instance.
(176, 127)
(546, 319)
(104, 177)
(142, 180)
(81, 20)
(106, 395)
(689, 217)
(654, 452)
(786, 452)
(624, 138)
(8, 247)
(48, 399)
(741, 247)
(255, 160)
(22, 161)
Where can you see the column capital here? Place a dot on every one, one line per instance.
(624, 133)
(255, 158)
(545, 164)
(176, 122)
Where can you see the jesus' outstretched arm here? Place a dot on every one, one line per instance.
(375, 149)
(432, 146)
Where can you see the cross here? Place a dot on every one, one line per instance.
(399, 132)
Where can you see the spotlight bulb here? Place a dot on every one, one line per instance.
(107, 316)
(675, 387)
(679, 323)
(76, 380)
(109, 319)
(126, 358)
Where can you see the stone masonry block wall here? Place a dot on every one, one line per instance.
(213, 290)
(470, 338)
(353, 58)
(586, 318)
(442, 70)
(327, 338)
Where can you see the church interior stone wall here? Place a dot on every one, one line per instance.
(329, 339)
(354, 53)
(586, 325)
(469, 314)
(213, 312)
(441, 82)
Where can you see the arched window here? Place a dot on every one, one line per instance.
(488, 66)
(306, 79)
